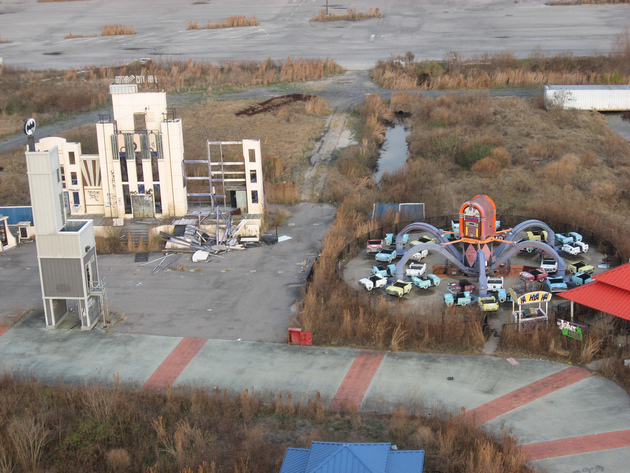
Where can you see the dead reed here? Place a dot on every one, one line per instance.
(115, 30)
(504, 70)
(212, 430)
(350, 15)
(230, 22)
(73, 36)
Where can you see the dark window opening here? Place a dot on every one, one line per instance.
(252, 176)
(71, 158)
(140, 121)
(123, 167)
(139, 170)
(254, 197)
(140, 188)
(157, 196)
(252, 155)
(74, 179)
(75, 198)
(154, 167)
(127, 198)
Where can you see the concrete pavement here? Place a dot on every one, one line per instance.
(565, 418)
(431, 29)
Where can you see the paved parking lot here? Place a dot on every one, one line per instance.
(248, 295)
(430, 29)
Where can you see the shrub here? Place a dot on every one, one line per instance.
(473, 153)
(114, 30)
(487, 166)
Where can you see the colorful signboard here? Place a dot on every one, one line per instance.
(570, 329)
(531, 297)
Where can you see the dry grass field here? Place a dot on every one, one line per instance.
(552, 165)
(88, 428)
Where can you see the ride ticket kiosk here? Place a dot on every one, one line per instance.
(530, 308)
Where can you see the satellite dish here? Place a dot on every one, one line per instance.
(29, 126)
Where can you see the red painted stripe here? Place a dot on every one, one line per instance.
(527, 394)
(4, 330)
(174, 364)
(573, 445)
(357, 380)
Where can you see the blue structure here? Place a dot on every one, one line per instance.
(17, 214)
(337, 457)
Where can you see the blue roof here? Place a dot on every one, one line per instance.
(337, 457)
(17, 214)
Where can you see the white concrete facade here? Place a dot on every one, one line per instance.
(146, 181)
(66, 249)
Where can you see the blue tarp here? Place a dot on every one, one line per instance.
(17, 214)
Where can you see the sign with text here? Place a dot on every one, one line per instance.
(570, 329)
(150, 79)
(530, 297)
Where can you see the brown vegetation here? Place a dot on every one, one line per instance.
(74, 36)
(230, 22)
(115, 30)
(505, 70)
(553, 165)
(350, 15)
(91, 428)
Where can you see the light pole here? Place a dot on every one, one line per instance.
(326, 7)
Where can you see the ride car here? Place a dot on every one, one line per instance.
(374, 246)
(383, 270)
(555, 284)
(563, 239)
(537, 275)
(426, 281)
(458, 298)
(463, 285)
(549, 264)
(419, 255)
(580, 267)
(421, 240)
(416, 269)
(576, 236)
(582, 246)
(529, 249)
(580, 279)
(571, 249)
(488, 304)
(386, 256)
(373, 282)
(399, 288)
(537, 235)
(494, 284)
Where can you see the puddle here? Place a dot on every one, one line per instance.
(618, 124)
(394, 151)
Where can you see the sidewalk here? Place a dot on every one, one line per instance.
(565, 418)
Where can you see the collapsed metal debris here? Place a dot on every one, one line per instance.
(272, 103)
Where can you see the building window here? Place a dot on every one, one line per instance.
(140, 121)
(139, 170)
(140, 188)
(252, 155)
(63, 177)
(254, 197)
(74, 179)
(157, 195)
(154, 167)
(252, 176)
(58, 175)
(71, 159)
(124, 175)
(127, 198)
(75, 198)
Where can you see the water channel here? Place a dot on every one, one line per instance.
(394, 151)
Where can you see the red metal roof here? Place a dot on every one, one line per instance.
(618, 277)
(609, 293)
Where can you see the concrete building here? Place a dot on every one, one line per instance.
(66, 249)
(141, 172)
